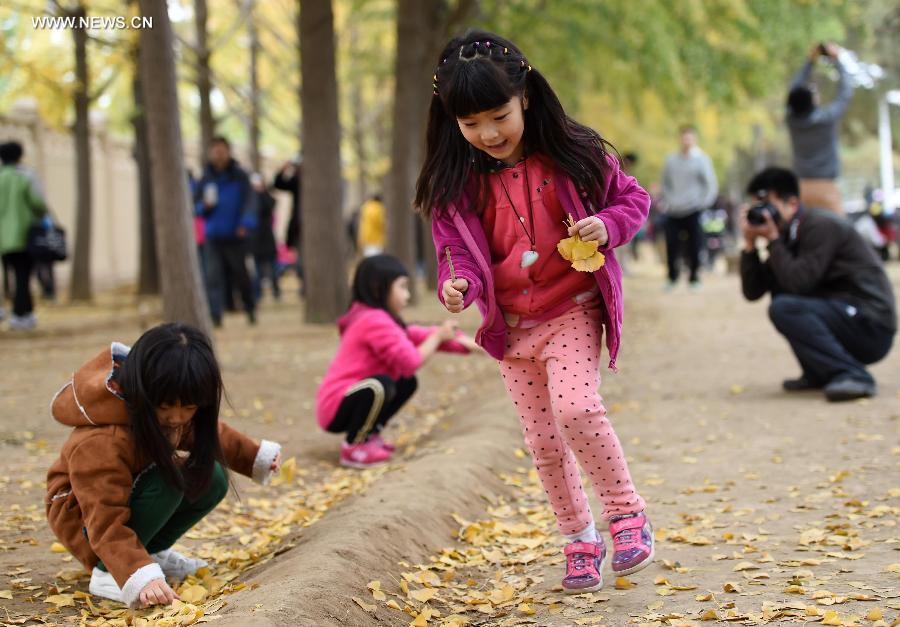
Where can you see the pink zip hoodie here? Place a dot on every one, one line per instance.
(623, 208)
(372, 343)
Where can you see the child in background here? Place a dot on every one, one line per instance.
(145, 462)
(504, 168)
(262, 241)
(373, 373)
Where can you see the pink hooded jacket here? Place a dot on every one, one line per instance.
(372, 343)
(623, 207)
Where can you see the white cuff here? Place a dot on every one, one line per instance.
(131, 591)
(262, 465)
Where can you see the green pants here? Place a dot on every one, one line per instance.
(160, 514)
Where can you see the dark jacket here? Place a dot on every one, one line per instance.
(263, 241)
(820, 254)
(236, 206)
(294, 235)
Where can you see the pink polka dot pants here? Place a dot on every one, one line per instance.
(552, 374)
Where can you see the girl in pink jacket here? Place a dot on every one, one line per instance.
(527, 206)
(373, 373)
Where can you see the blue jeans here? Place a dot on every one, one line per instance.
(830, 339)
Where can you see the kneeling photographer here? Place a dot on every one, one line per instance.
(831, 298)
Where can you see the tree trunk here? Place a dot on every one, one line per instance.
(323, 228)
(255, 160)
(148, 271)
(418, 25)
(80, 287)
(184, 299)
(360, 123)
(204, 78)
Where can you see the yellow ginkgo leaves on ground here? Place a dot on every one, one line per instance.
(60, 600)
(585, 256)
(56, 547)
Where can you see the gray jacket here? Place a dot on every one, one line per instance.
(815, 136)
(688, 183)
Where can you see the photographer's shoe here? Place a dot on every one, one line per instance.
(849, 389)
(801, 384)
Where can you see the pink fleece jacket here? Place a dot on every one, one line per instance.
(372, 343)
(623, 207)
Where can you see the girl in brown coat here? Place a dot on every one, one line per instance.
(145, 462)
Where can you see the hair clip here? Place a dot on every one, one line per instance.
(522, 63)
(443, 61)
(506, 51)
(434, 78)
(529, 68)
(487, 44)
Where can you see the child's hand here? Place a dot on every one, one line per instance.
(590, 229)
(453, 292)
(157, 592)
(276, 463)
(470, 345)
(447, 331)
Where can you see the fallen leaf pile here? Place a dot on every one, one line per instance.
(236, 537)
(496, 574)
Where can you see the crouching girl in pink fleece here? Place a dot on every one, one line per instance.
(373, 373)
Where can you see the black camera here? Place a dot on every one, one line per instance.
(756, 214)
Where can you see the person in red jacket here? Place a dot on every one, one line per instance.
(373, 373)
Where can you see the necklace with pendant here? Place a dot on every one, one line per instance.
(529, 257)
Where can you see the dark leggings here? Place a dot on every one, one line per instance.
(369, 405)
(690, 226)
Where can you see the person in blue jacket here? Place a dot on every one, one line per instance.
(223, 196)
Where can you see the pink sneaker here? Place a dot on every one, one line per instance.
(377, 439)
(363, 455)
(584, 567)
(632, 543)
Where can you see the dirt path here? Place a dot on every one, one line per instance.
(790, 501)
(769, 508)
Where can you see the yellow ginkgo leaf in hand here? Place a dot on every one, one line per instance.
(585, 256)
(583, 250)
(565, 248)
(591, 264)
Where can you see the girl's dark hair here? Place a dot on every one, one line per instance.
(373, 279)
(174, 363)
(479, 72)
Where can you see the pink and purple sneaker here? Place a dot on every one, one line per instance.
(633, 547)
(584, 567)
